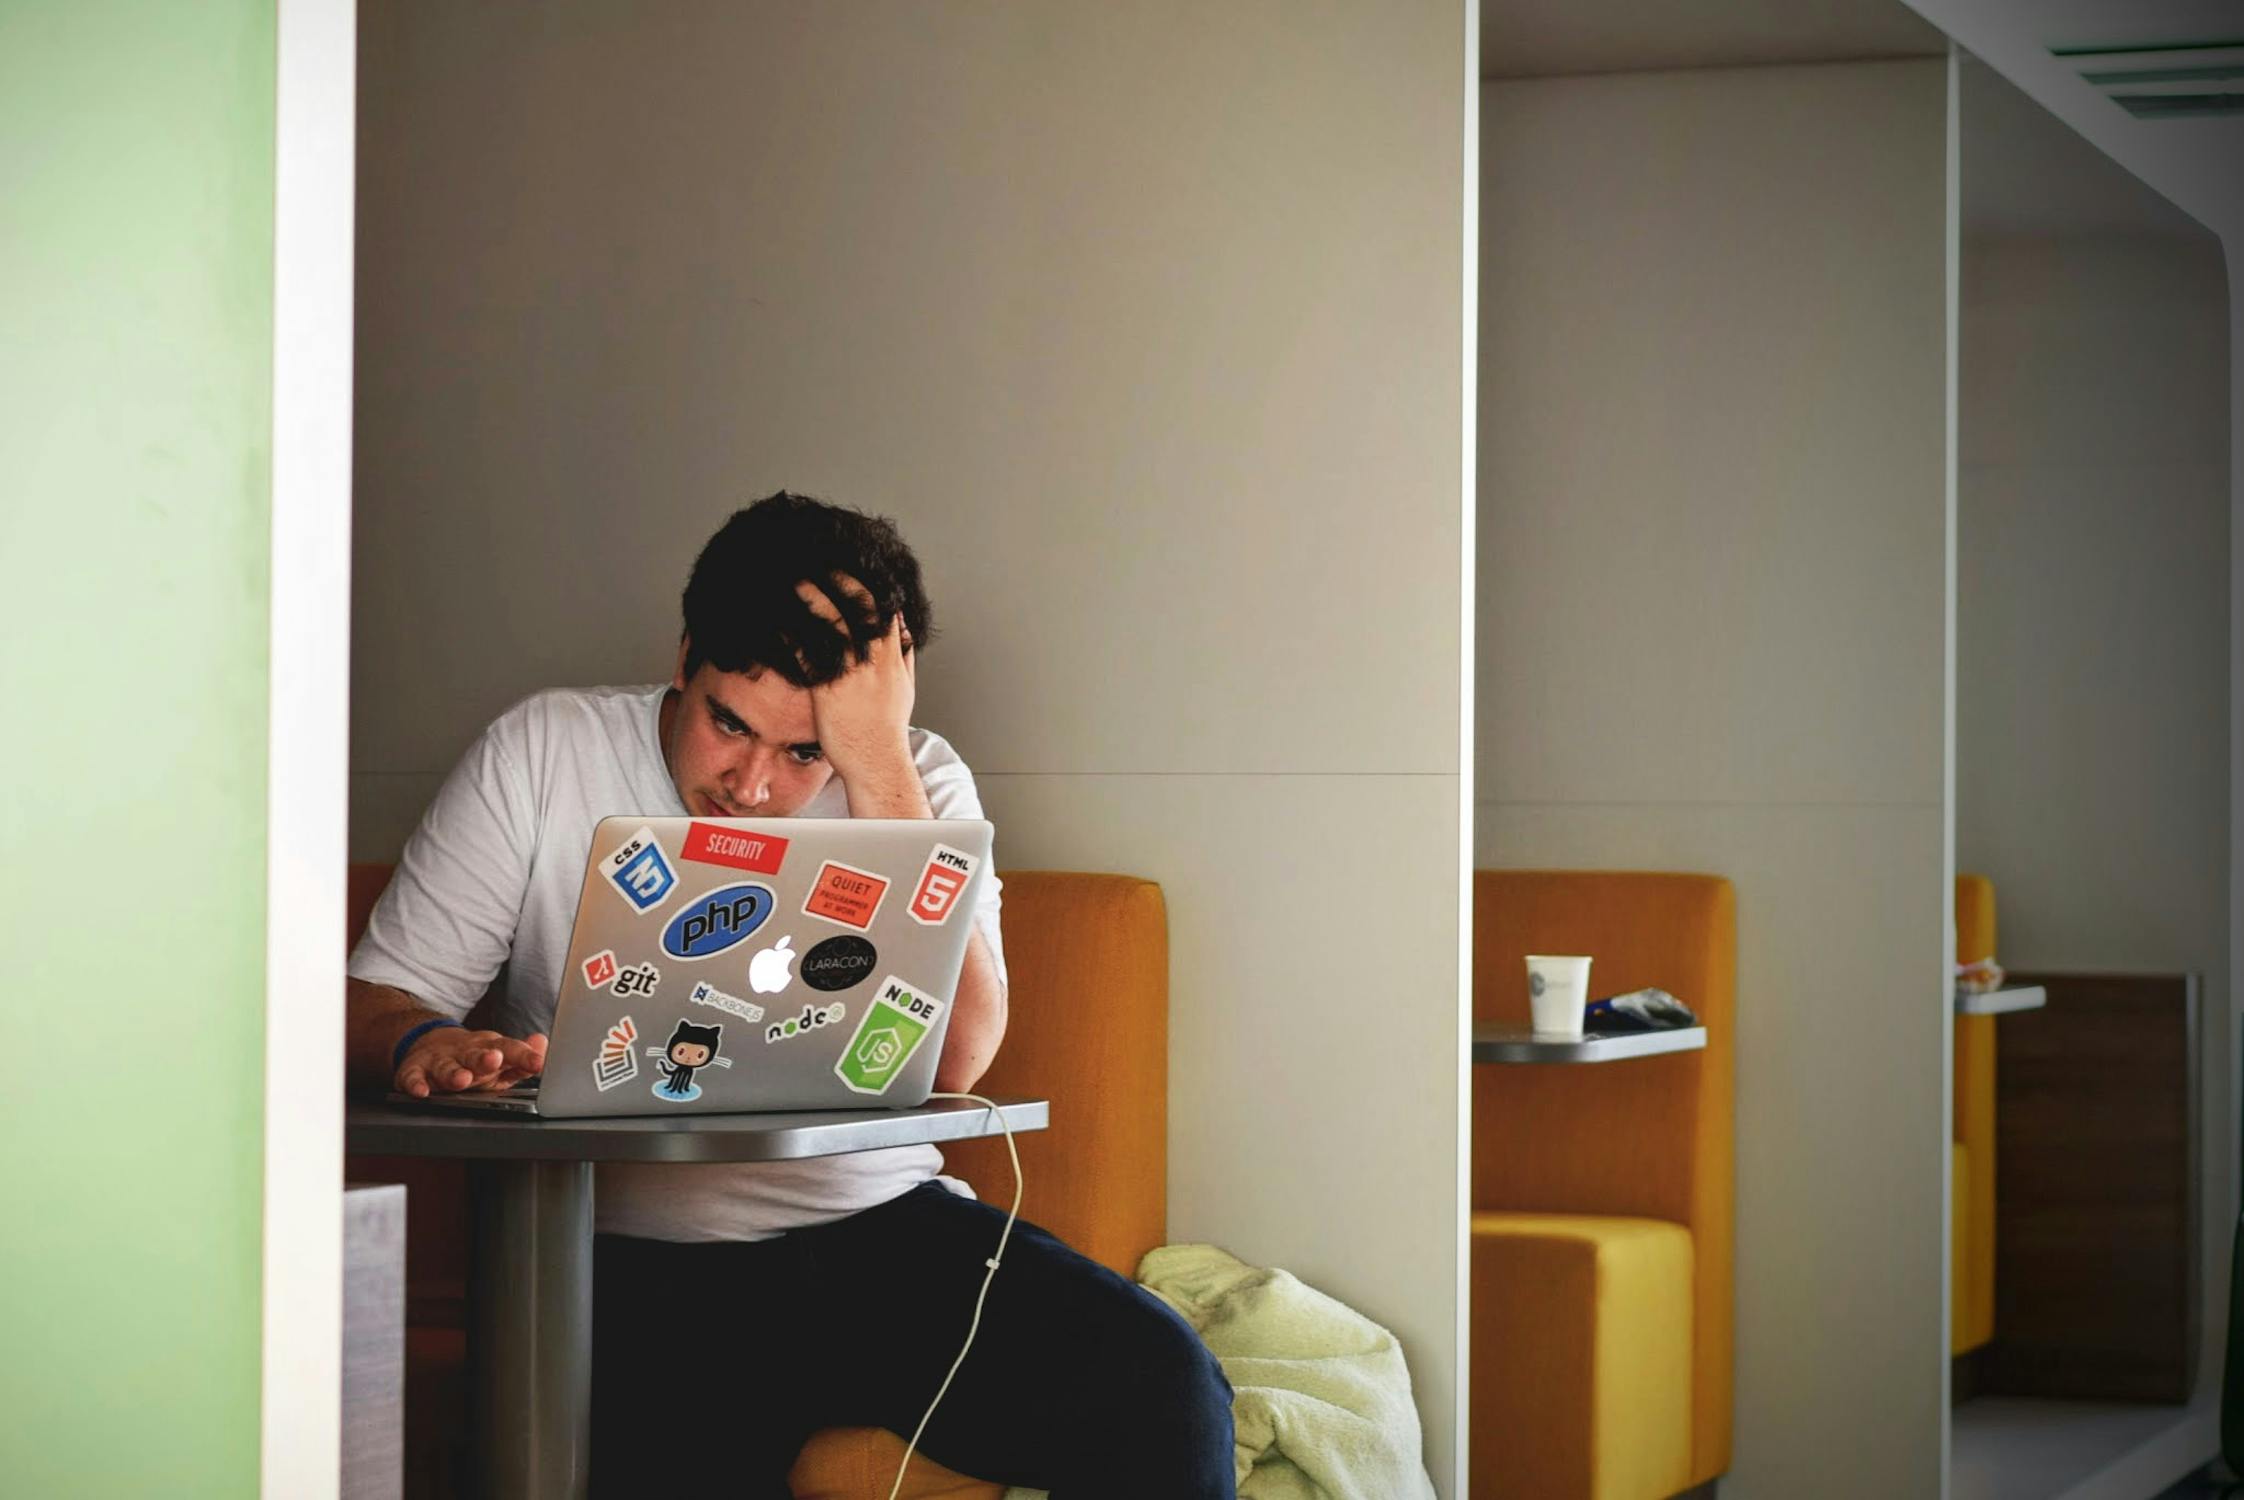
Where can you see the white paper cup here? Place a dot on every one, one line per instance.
(1558, 988)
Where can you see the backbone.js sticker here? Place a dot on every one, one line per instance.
(888, 1034)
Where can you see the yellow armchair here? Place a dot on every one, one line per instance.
(1602, 1228)
(1972, 1154)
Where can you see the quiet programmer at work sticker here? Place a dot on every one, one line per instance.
(845, 894)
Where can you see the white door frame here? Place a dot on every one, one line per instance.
(307, 774)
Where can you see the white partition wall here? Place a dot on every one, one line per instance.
(1145, 322)
(1713, 548)
(2094, 591)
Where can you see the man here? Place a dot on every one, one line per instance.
(790, 1296)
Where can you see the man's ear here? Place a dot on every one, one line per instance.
(678, 678)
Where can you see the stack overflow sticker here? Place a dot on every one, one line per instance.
(617, 1063)
(887, 1035)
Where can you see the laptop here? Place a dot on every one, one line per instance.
(727, 964)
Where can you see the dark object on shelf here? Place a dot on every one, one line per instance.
(1636, 1011)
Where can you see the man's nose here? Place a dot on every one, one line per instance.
(750, 782)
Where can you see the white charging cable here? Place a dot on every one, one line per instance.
(971, 1328)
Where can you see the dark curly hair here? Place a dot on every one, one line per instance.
(742, 611)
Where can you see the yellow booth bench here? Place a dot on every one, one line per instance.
(1971, 1152)
(1602, 1221)
(1097, 1178)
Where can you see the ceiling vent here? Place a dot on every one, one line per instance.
(2167, 81)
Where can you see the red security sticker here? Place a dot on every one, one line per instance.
(600, 969)
(940, 883)
(711, 845)
(842, 893)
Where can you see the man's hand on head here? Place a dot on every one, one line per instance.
(453, 1060)
(864, 715)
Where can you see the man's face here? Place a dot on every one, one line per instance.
(742, 744)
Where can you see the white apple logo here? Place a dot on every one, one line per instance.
(769, 972)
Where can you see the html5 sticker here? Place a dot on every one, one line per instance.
(845, 894)
(941, 884)
(758, 853)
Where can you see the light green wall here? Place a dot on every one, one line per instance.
(136, 221)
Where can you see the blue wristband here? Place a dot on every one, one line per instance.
(405, 1042)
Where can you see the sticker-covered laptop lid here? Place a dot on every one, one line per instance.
(762, 963)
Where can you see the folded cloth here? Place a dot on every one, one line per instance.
(1321, 1402)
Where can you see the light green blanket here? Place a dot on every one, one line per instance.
(1321, 1397)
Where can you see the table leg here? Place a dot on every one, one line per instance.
(530, 1328)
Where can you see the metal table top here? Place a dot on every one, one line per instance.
(2002, 1002)
(375, 1129)
(1499, 1042)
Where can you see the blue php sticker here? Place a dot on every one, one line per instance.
(708, 926)
(639, 871)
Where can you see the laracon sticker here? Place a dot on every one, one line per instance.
(811, 1019)
(757, 853)
(639, 871)
(845, 894)
(706, 993)
(708, 926)
(600, 969)
(617, 1063)
(888, 1034)
(839, 962)
(946, 875)
(691, 1048)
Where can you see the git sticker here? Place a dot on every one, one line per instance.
(617, 1063)
(888, 1034)
(940, 883)
(600, 969)
(640, 872)
(758, 853)
(842, 893)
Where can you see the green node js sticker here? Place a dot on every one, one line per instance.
(887, 1035)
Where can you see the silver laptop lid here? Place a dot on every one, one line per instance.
(762, 963)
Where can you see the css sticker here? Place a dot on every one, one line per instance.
(771, 971)
(757, 853)
(838, 963)
(811, 1019)
(707, 927)
(708, 994)
(690, 1049)
(617, 1063)
(888, 1034)
(639, 872)
(946, 875)
(842, 893)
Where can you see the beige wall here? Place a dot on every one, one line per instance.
(1144, 322)
(2092, 737)
(1710, 636)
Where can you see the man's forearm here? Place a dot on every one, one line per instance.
(978, 1014)
(375, 1017)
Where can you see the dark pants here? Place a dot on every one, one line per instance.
(713, 1363)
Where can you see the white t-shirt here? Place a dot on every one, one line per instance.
(487, 890)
